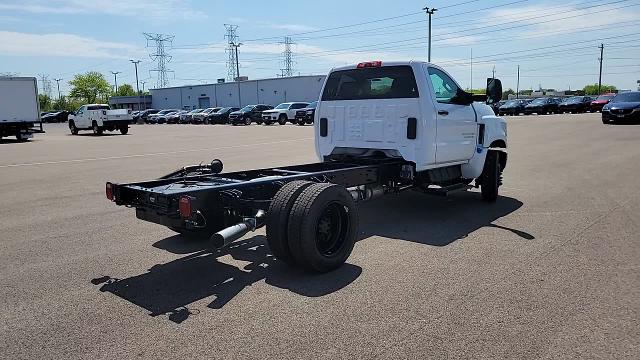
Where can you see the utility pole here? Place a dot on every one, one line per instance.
(287, 62)
(58, 82)
(115, 79)
(429, 12)
(232, 38)
(160, 57)
(493, 72)
(600, 77)
(143, 82)
(518, 84)
(236, 46)
(135, 63)
(471, 86)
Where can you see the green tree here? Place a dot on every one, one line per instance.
(593, 89)
(90, 87)
(125, 90)
(66, 103)
(45, 102)
(506, 93)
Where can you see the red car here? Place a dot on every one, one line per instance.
(601, 101)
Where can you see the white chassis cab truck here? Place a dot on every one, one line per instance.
(100, 118)
(19, 107)
(282, 113)
(380, 128)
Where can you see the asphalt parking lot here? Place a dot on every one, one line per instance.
(549, 271)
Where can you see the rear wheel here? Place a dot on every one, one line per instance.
(491, 177)
(278, 219)
(322, 227)
(97, 130)
(282, 119)
(124, 130)
(247, 121)
(73, 128)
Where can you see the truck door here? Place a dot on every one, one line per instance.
(80, 119)
(455, 124)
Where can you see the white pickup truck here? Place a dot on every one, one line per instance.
(98, 118)
(380, 128)
(282, 113)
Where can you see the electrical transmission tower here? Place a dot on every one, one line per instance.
(46, 84)
(287, 62)
(233, 70)
(160, 57)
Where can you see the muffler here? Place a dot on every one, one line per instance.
(228, 235)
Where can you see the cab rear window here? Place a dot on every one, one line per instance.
(388, 82)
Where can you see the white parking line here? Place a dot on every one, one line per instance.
(149, 154)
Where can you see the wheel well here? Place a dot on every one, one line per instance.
(498, 144)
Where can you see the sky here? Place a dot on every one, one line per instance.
(555, 44)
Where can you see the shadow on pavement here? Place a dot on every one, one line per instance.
(437, 221)
(169, 288)
(411, 216)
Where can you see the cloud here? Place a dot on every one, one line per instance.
(580, 19)
(24, 44)
(150, 8)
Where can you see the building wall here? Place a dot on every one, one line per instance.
(266, 91)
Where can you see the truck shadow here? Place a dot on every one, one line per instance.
(437, 221)
(168, 289)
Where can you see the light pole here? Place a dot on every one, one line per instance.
(429, 12)
(135, 63)
(236, 46)
(58, 82)
(115, 78)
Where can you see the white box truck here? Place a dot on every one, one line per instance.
(19, 107)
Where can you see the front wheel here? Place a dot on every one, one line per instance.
(491, 177)
(282, 119)
(247, 121)
(73, 128)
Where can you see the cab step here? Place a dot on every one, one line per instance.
(447, 190)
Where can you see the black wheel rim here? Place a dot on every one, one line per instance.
(331, 229)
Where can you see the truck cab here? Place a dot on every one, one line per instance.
(411, 110)
(100, 118)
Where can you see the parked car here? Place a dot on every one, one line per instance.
(222, 115)
(159, 117)
(542, 106)
(600, 102)
(143, 116)
(624, 107)
(513, 107)
(306, 115)
(203, 116)
(248, 114)
(55, 117)
(282, 113)
(164, 118)
(186, 118)
(575, 104)
(174, 117)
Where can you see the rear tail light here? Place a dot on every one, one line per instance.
(370, 64)
(109, 191)
(184, 205)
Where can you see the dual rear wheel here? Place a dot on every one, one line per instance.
(312, 225)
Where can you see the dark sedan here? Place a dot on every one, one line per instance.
(542, 106)
(222, 115)
(575, 104)
(248, 114)
(625, 107)
(513, 107)
(601, 101)
(305, 115)
(55, 117)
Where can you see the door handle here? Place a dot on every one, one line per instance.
(443, 112)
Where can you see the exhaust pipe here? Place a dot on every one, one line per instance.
(228, 235)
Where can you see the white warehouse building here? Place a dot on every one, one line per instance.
(238, 94)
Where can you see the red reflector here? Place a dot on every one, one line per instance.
(185, 206)
(109, 191)
(369, 64)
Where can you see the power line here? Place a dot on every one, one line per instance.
(160, 57)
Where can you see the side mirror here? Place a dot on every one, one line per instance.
(494, 91)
